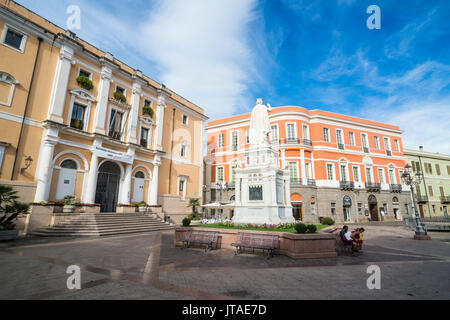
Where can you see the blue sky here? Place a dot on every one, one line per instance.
(317, 54)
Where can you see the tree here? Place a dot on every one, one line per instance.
(194, 203)
(10, 208)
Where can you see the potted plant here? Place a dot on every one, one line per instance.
(142, 206)
(119, 96)
(85, 83)
(69, 204)
(77, 124)
(147, 110)
(10, 208)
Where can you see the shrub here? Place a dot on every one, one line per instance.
(186, 222)
(148, 110)
(327, 221)
(10, 208)
(312, 228)
(300, 228)
(119, 96)
(142, 204)
(194, 216)
(69, 200)
(85, 82)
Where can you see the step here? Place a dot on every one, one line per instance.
(112, 232)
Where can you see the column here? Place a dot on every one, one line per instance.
(91, 186)
(313, 168)
(160, 119)
(126, 185)
(60, 82)
(102, 100)
(283, 159)
(133, 119)
(153, 190)
(237, 189)
(287, 188)
(302, 164)
(45, 169)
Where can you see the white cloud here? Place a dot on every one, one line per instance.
(202, 50)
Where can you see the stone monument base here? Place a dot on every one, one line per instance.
(263, 215)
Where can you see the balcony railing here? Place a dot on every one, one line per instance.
(395, 188)
(366, 150)
(115, 135)
(296, 182)
(307, 142)
(275, 141)
(389, 153)
(445, 199)
(144, 143)
(421, 199)
(311, 182)
(373, 186)
(77, 124)
(291, 141)
(341, 146)
(347, 185)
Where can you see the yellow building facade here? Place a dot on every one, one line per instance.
(117, 139)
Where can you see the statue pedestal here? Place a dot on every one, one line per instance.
(262, 190)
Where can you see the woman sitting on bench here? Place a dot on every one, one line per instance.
(349, 238)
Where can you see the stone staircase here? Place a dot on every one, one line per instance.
(104, 224)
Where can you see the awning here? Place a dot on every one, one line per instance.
(217, 205)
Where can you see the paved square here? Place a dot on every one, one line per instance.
(148, 266)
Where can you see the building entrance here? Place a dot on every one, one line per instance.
(373, 208)
(107, 193)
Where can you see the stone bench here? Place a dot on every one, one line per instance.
(245, 240)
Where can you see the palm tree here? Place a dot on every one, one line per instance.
(10, 208)
(194, 203)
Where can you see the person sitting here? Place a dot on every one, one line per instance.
(360, 238)
(350, 239)
(343, 231)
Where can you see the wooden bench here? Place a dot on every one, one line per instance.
(200, 237)
(254, 241)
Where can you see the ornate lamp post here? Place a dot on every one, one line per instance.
(421, 233)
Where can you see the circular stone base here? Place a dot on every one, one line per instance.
(416, 237)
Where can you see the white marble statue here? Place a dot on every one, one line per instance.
(259, 124)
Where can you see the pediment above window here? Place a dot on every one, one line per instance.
(82, 94)
(147, 120)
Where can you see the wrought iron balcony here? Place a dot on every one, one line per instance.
(311, 182)
(296, 182)
(292, 141)
(144, 143)
(115, 135)
(395, 188)
(373, 186)
(389, 153)
(421, 199)
(347, 185)
(445, 199)
(341, 146)
(366, 150)
(275, 141)
(307, 142)
(76, 123)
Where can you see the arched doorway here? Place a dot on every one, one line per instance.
(67, 179)
(396, 208)
(138, 190)
(347, 205)
(373, 204)
(297, 206)
(107, 193)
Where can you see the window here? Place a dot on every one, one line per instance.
(313, 208)
(356, 174)
(144, 137)
(220, 174)
(77, 120)
(330, 172)
(430, 191)
(406, 209)
(255, 193)
(84, 73)
(381, 175)
(392, 176)
(275, 136)
(434, 208)
(247, 136)
(293, 170)
(147, 103)
(69, 164)
(387, 145)
(307, 168)
(221, 140)
(364, 140)
(291, 131)
(416, 166)
(377, 143)
(183, 152)
(428, 168)
(396, 145)
(234, 141)
(369, 174)
(233, 173)
(305, 133)
(13, 38)
(120, 89)
(2, 153)
(115, 124)
(343, 172)
(351, 136)
(185, 120)
(448, 170)
(340, 142)
(333, 208)
(441, 190)
(7, 87)
(360, 211)
(326, 134)
(438, 169)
